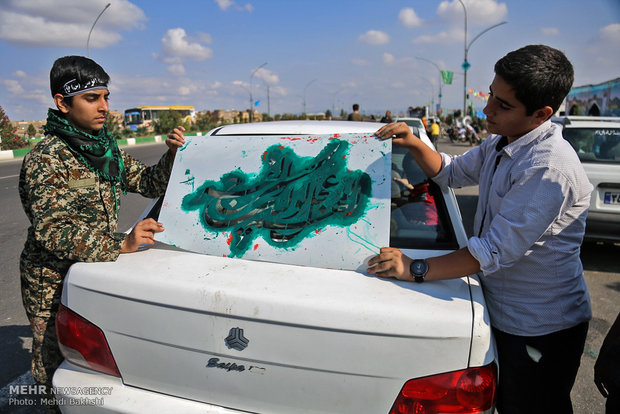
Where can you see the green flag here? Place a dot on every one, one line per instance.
(447, 76)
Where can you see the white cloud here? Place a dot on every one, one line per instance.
(13, 86)
(440, 38)
(176, 69)
(550, 31)
(409, 18)
(375, 37)
(227, 4)
(388, 58)
(360, 62)
(184, 90)
(267, 76)
(176, 43)
(224, 4)
(479, 12)
(19, 74)
(204, 38)
(610, 33)
(66, 23)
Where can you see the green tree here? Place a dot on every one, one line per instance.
(168, 121)
(10, 139)
(112, 126)
(205, 121)
(31, 131)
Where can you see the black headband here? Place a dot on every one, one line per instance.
(75, 87)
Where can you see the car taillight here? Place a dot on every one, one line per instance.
(83, 343)
(471, 390)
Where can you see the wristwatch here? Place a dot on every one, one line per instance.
(418, 269)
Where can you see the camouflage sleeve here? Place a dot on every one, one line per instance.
(68, 220)
(150, 181)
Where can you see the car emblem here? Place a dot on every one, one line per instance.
(236, 340)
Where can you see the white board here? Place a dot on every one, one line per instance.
(321, 201)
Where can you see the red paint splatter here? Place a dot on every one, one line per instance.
(317, 231)
(255, 246)
(348, 214)
(229, 241)
(265, 155)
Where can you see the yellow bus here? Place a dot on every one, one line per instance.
(144, 116)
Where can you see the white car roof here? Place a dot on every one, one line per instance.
(297, 128)
(305, 128)
(587, 121)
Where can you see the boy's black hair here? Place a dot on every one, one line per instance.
(540, 75)
(78, 68)
(356, 107)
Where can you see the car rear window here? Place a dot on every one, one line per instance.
(419, 219)
(595, 144)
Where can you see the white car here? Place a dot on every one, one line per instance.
(170, 331)
(417, 126)
(597, 143)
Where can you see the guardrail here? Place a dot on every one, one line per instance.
(20, 153)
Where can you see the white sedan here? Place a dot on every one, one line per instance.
(172, 331)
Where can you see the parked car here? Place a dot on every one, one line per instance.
(597, 143)
(168, 330)
(416, 125)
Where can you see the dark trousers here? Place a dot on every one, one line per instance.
(537, 373)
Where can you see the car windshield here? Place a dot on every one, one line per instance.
(413, 122)
(595, 144)
(419, 219)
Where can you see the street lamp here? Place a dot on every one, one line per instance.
(92, 27)
(432, 89)
(306, 87)
(466, 64)
(251, 98)
(440, 77)
(334, 101)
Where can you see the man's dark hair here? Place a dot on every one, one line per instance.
(356, 107)
(80, 68)
(540, 75)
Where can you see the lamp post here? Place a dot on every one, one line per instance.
(92, 27)
(334, 101)
(268, 101)
(251, 97)
(432, 89)
(306, 87)
(466, 64)
(440, 77)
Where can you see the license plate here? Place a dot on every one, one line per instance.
(611, 198)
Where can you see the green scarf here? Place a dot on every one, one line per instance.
(99, 153)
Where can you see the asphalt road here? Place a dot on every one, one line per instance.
(602, 271)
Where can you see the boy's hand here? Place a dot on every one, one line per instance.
(399, 132)
(175, 139)
(391, 262)
(142, 233)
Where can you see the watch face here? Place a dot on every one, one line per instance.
(418, 267)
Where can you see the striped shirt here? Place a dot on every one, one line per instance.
(528, 229)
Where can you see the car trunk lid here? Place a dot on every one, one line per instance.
(268, 337)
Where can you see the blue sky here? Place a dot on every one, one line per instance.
(333, 53)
